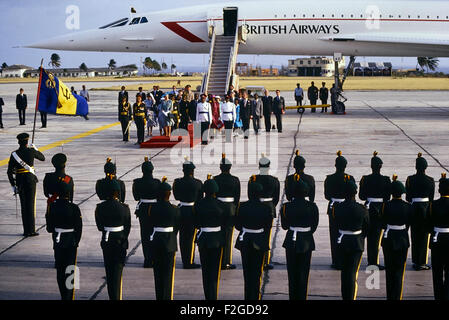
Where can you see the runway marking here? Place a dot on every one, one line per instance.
(68, 140)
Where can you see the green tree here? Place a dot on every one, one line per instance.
(428, 63)
(164, 66)
(147, 64)
(172, 67)
(112, 64)
(55, 60)
(83, 67)
(4, 65)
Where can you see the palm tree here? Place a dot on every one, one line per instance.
(148, 63)
(55, 60)
(83, 67)
(164, 66)
(112, 64)
(4, 65)
(156, 66)
(429, 63)
(172, 67)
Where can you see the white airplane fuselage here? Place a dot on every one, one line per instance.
(353, 28)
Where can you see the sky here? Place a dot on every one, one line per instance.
(28, 21)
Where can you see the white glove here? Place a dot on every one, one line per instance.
(14, 190)
(34, 147)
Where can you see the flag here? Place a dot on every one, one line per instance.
(55, 98)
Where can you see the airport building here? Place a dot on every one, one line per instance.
(15, 71)
(243, 69)
(313, 67)
(125, 71)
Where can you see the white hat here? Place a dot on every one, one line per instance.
(217, 97)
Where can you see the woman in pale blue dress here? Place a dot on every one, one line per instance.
(165, 108)
(238, 124)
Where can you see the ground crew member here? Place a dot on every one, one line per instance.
(23, 180)
(101, 187)
(439, 228)
(299, 163)
(375, 191)
(187, 190)
(146, 191)
(164, 220)
(229, 194)
(312, 94)
(299, 95)
(64, 221)
(270, 194)
(254, 220)
(125, 117)
(113, 219)
(351, 221)
(396, 217)
(324, 95)
(210, 219)
(334, 192)
(420, 192)
(52, 180)
(300, 218)
(140, 118)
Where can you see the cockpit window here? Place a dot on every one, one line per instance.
(134, 21)
(144, 20)
(117, 23)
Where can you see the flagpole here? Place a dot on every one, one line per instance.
(37, 100)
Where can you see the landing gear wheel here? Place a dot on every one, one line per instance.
(301, 110)
(340, 107)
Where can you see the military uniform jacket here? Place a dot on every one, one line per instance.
(145, 188)
(420, 186)
(63, 214)
(324, 93)
(187, 189)
(271, 188)
(334, 186)
(125, 111)
(163, 214)
(102, 184)
(112, 213)
(439, 217)
(289, 189)
(139, 111)
(312, 93)
(397, 213)
(253, 214)
(51, 182)
(210, 213)
(351, 216)
(228, 187)
(304, 214)
(375, 186)
(23, 177)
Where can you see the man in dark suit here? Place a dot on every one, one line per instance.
(21, 105)
(142, 94)
(312, 94)
(324, 95)
(245, 113)
(278, 109)
(1, 112)
(267, 102)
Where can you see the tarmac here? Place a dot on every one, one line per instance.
(396, 124)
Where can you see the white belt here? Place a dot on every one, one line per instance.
(299, 229)
(420, 200)
(23, 163)
(245, 230)
(438, 231)
(266, 199)
(112, 229)
(333, 200)
(59, 231)
(145, 201)
(348, 233)
(226, 199)
(186, 204)
(208, 229)
(369, 200)
(160, 229)
(393, 227)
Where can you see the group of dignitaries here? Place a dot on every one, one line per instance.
(208, 212)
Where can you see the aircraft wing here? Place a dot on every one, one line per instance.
(391, 38)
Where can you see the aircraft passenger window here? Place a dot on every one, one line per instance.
(323, 15)
(313, 16)
(303, 15)
(428, 17)
(144, 20)
(285, 16)
(294, 16)
(135, 21)
(352, 16)
(332, 16)
(399, 16)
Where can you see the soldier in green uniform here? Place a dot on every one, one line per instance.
(439, 228)
(164, 220)
(113, 219)
(300, 217)
(270, 194)
(23, 180)
(254, 220)
(352, 221)
(102, 187)
(140, 118)
(187, 190)
(420, 192)
(334, 192)
(125, 117)
(229, 194)
(395, 218)
(51, 180)
(210, 219)
(64, 221)
(299, 163)
(374, 190)
(145, 191)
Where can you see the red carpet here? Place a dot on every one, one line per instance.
(169, 142)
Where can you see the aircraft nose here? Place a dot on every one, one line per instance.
(57, 43)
